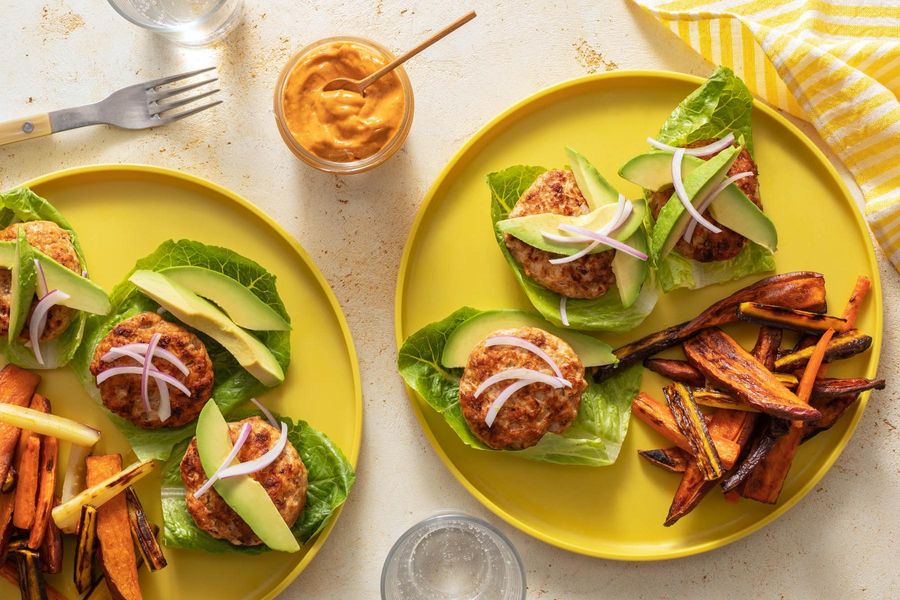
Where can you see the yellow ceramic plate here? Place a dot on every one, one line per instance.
(123, 213)
(452, 260)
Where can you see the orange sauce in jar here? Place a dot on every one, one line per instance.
(340, 125)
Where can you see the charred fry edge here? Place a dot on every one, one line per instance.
(692, 424)
(85, 548)
(142, 533)
(673, 459)
(31, 582)
(789, 318)
(52, 549)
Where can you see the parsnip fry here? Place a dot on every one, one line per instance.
(142, 532)
(47, 424)
(85, 548)
(692, 424)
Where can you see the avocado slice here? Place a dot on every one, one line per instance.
(673, 218)
(530, 228)
(83, 293)
(594, 187)
(24, 281)
(200, 314)
(733, 209)
(653, 170)
(630, 271)
(469, 333)
(246, 496)
(242, 306)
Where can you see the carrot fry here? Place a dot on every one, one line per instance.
(16, 387)
(49, 448)
(857, 297)
(117, 555)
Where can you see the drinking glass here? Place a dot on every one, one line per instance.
(187, 22)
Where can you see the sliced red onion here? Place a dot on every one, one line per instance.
(131, 350)
(501, 399)
(269, 416)
(605, 239)
(84, 273)
(706, 150)
(146, 368)
(39, 320)
(238, 444)
(530, 375)
(573, 257)
(677, 159)
(708, 199)
(42, 279)
(511, 340)
(565, 239)
(164, 411)
(563, 311)
(108, 373)
(258, 464)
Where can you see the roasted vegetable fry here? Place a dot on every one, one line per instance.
(802, 290)
(730, 367)
(841, 346)
(659, 417)
(7, 503)
(46, 490)
(66, 514)
(85, 548)
(10, 482)
(789, 318)
(692, 424)
(29, 477)
(717, 399)
(11, 573)
(73, 481)
(857, 297)
(16, 389)
(31, 582)
(676, 370)
(761, 446)
(832, 410)
(768, 341)
(117, 556)
(47, 424)
(142, 532)
(828, 388)
(670, 459)
(51, 550)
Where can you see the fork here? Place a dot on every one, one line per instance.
(138, 106)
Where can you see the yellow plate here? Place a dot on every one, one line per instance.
(451, 260)
(124, 212)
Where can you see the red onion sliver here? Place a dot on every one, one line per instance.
(115, 353)
(573, 257)
(108, 373)
(563, 311)
(39, 320)
(677, 159)
(258, 464)
(162, 353)
(605, 239)
(565, 239)
(164, 411)
(42, 278)
(701, 151)
(145, 371)
(530, 375)
(238, 444)
(501, 399)
(511, 340)
(704, 204)
(269, 416)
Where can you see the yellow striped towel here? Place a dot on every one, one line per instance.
(835, 63)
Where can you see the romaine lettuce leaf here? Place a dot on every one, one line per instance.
(605, 313)
(330, 478)
(24, 205)
(593, 439)
(720, 106)
(233, 384)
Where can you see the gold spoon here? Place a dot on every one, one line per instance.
(359, 85)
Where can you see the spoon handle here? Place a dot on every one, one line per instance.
(405, 57)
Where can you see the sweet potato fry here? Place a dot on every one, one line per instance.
(692, 424)
(27, 486)
(117, 555)
(676, 370)
(832, 410)
(671, 459)
(16, 387)
(732, 368)
(802, 290)
(45, 495)
(7, 503)
(659, 417)
(51, 550)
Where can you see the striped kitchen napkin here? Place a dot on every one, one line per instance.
(835, 63)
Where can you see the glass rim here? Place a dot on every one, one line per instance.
(498, 535)
(159, 28)
(331, 166)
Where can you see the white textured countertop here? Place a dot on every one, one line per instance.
(839, 542)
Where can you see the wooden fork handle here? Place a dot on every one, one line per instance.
(24, 129)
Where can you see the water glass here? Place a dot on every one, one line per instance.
(187, 22)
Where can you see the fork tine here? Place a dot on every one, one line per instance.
(161, 108)
(157, 96)
(149, 85)
(184, 115)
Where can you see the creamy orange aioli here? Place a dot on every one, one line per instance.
(340, 125)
